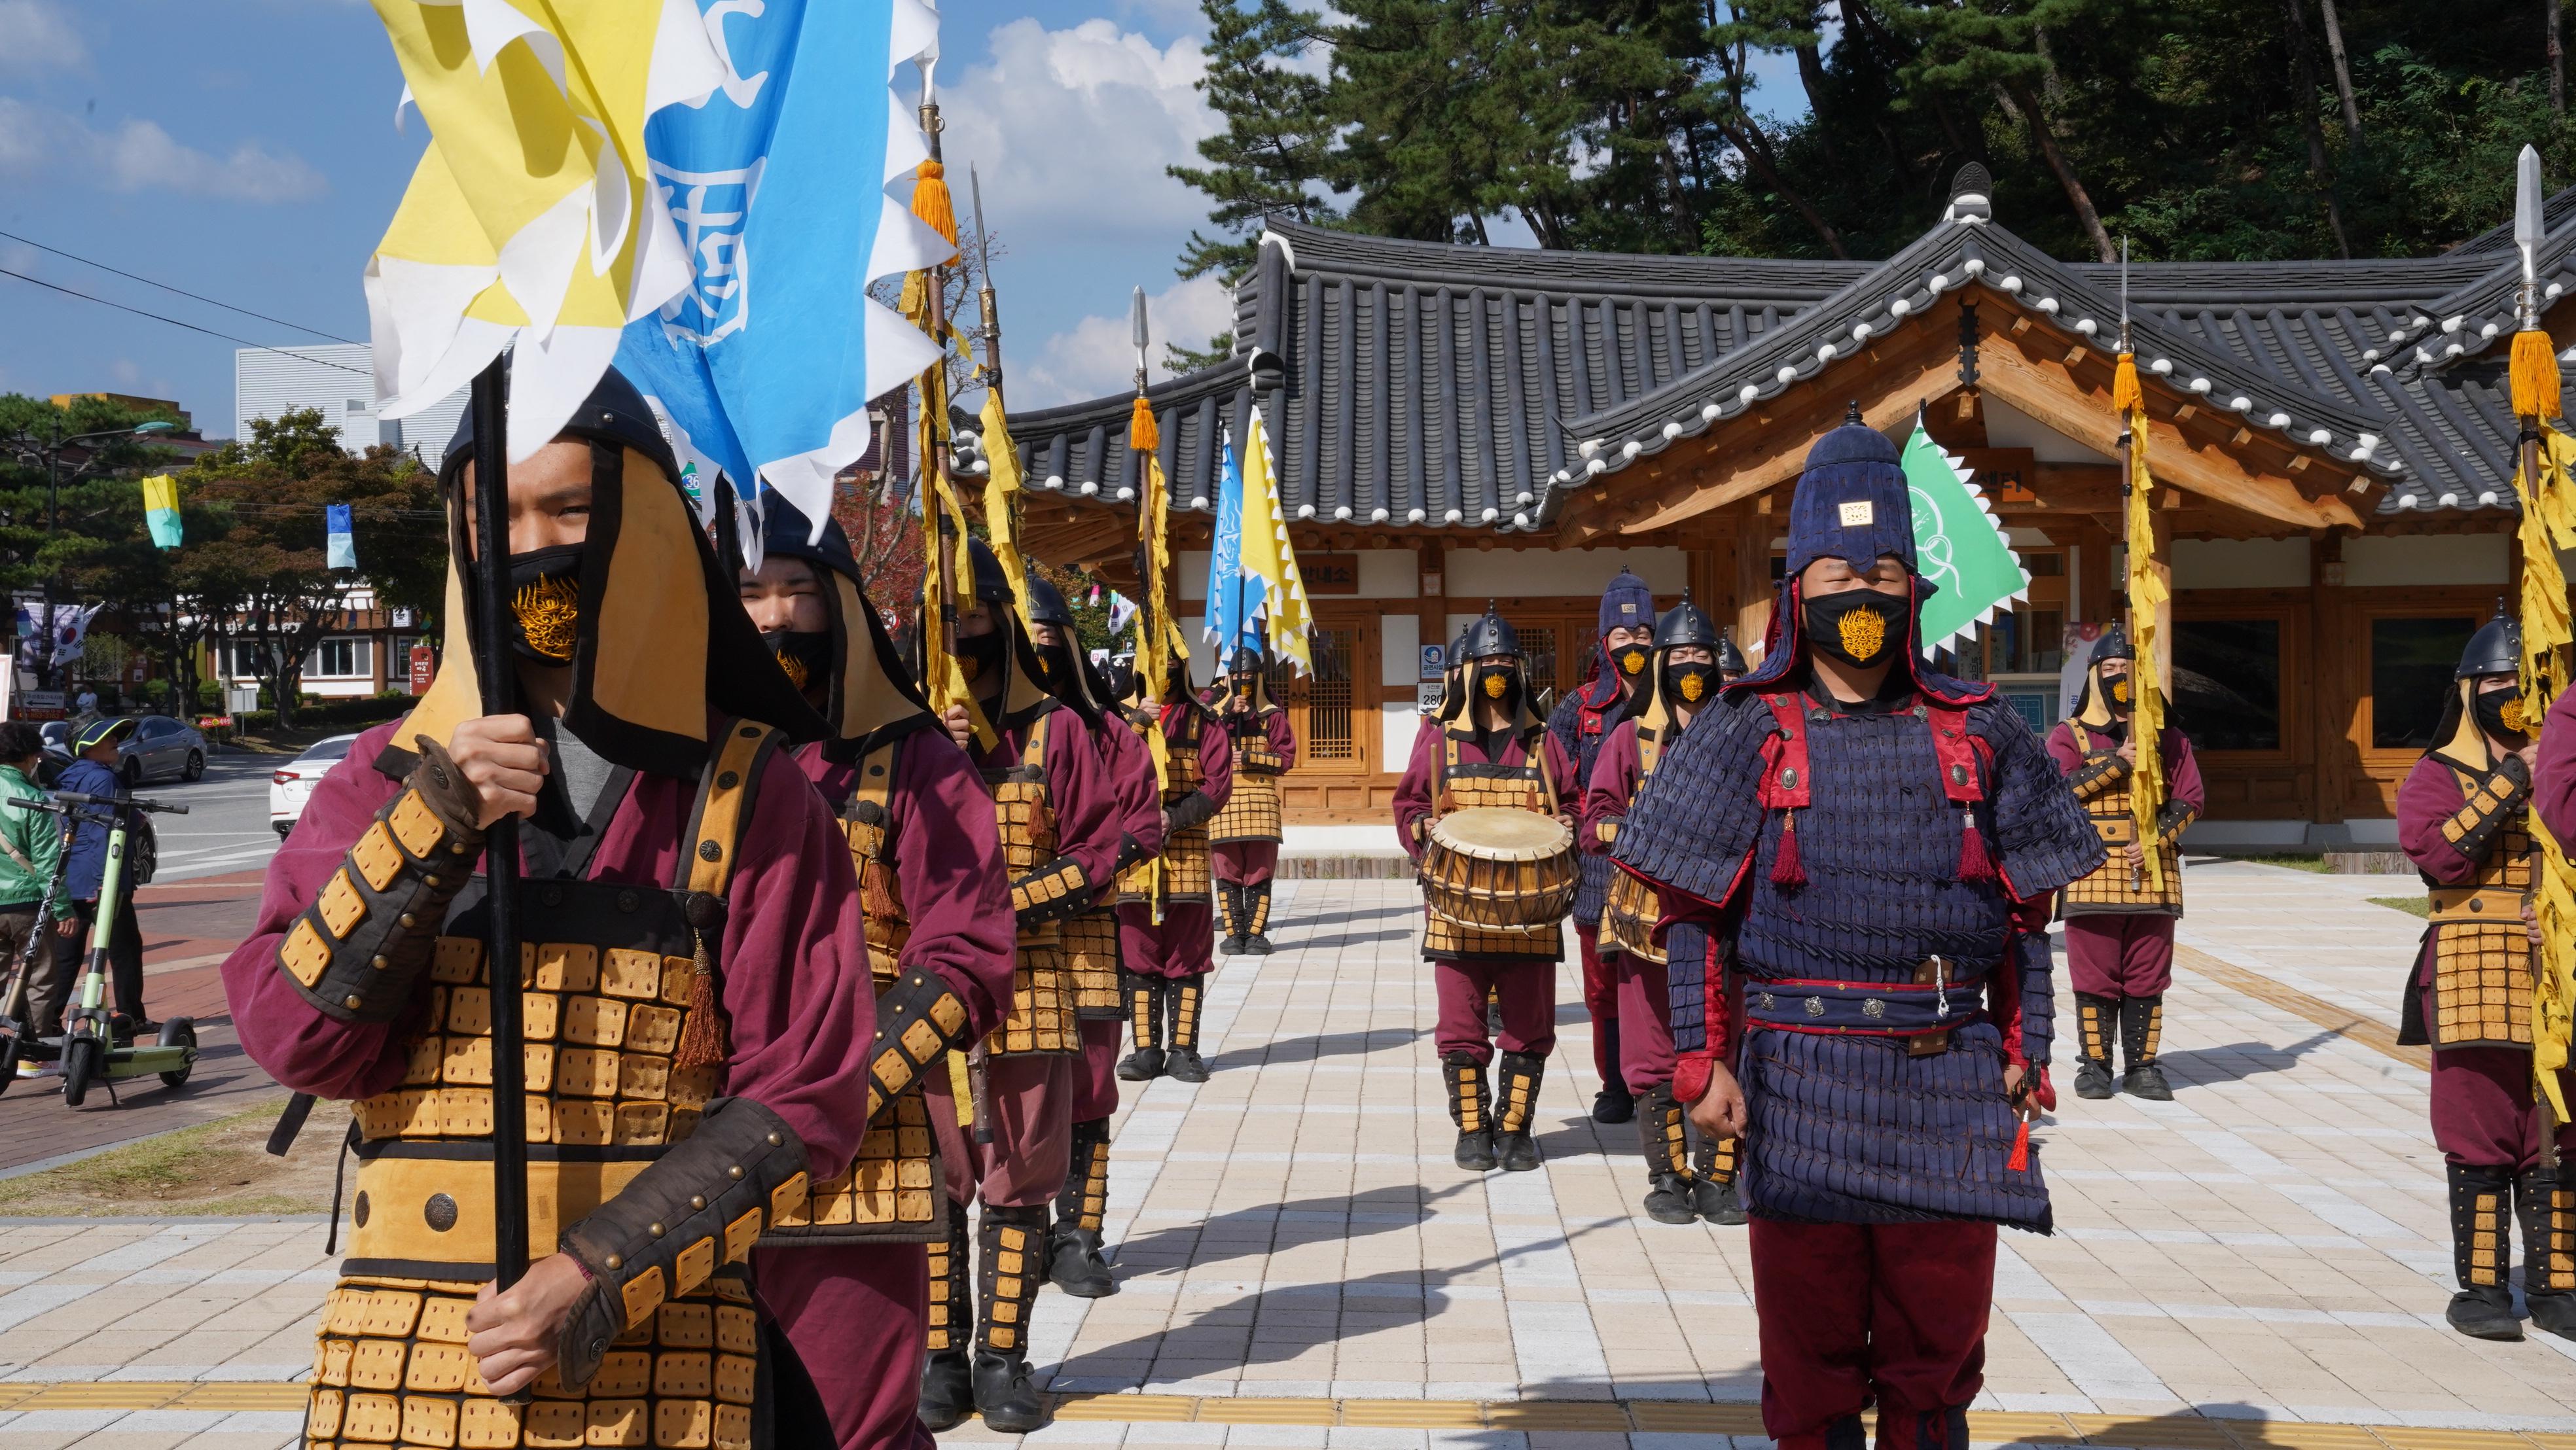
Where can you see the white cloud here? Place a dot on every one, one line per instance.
(138, 155)
(125, 370)
(35, 37)
(1095, 357)
(1071, 130)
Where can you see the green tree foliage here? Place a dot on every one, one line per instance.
(2198, 129)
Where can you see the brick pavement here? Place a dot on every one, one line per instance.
(2261, 1262)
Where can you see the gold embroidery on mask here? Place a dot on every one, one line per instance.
(1495, 685)
(2512, 715)
(1864, 634)
(2120, 691)
(1694, 686)
(797, 673)
(1633, 661)
(546, 611)
(971, 665)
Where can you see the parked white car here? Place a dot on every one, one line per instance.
(291, 784)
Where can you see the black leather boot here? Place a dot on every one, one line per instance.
(2093, 1019)
(1145, 1022)
(1614, 1103)
(2142, 1021)
(1229, 907)
(1516, 1080)
(1714, 1192)
(1470, 1110)
(1256, 907)
(1074, 1261)
(1008, 1243)
(2546, 1204)
(947, 1375)
(1185, 1064)
(2481, 1234)
(1659, 1138)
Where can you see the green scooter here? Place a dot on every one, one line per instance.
(91, 1051)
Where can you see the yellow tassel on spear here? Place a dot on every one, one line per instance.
(2148, 592)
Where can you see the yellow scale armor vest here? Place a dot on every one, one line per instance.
(2112, 889)
(1460, 787)
(2482, 957)
(1251, 811)
(1630, 908)
(1041, 1016)
(605, 975)
(1185, 853)
(891, 1191)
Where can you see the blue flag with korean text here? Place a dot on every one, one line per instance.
(340, 537)
(763, 366)
(1234, 596)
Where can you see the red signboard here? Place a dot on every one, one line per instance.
(424, 663)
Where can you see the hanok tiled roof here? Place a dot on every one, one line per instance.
(1412, 383)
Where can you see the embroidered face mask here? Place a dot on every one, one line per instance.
(1854, 626)
(1632, 661)
(979, 653)
(2500, 714)
(545, 603)
(1689, 684)
(803, 656)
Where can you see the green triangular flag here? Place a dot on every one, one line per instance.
(1958, 545)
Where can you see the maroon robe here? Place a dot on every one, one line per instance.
(1645, 1005)
(1140, 814)
(1249, 863)
(1184, 943)
(1524, 990)
(1031, 1094)
(2126, 954)
(799, 1005)
(2483, 1108)
(858, 1314)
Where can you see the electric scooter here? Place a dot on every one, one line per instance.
(21, 1043)
(92, 1050)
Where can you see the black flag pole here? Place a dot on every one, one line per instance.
(498, 673)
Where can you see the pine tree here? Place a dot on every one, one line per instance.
(1271, 158)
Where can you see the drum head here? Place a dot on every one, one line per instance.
(1497, 833)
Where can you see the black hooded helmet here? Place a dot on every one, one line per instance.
(1247, 661)
(1730, 660)
(1046, 602)
(1489, 636)
(1686, 624)
(2496, 649)
(991, 585)
(2114, 644)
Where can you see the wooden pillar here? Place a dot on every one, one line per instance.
(1752, 583)
(2333, 676)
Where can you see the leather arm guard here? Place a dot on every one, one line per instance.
(357, 952)
(1130, 851)
(918, 1018)
(2099, 772)
(2472, 830)
(1052, 892)
(1260, 759)
(1606, 830)
(2172, 821)
(700, 1204)
(1194, 809)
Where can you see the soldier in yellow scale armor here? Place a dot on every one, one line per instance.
(1244, 838)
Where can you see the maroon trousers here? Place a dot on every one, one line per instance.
(1032, 1098)
(2485, 1114)
(1183, 946)
(1526, 991)
(1095, 1088)
(1245, 863)
(2120, 956)
(1645, 1022)
(1600, 999)
(855, 1316)
(1853, 1313)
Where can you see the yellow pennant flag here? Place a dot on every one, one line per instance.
(1269, 556)
(2547, 494)
(2148, 593)
(530, 220)
(1002, 498)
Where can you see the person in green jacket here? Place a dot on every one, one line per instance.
(31, 848)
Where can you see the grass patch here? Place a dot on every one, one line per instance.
(2314, 861)
(217, 1168)
(2411, 905)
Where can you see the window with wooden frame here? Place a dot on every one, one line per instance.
(2228, 676)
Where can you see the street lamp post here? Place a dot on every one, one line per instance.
(52, 452)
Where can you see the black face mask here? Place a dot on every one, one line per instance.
(1499, 686)
(1631, 661)
(1243, 686)
(807, 658)
(1689, 685)
(1860, 627)
(545, 603)
(2499, 714)
(982, 656)
(2119, 694)
(1122, 678)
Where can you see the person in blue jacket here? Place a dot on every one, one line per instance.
(94, 773)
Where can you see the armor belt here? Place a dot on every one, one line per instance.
(2477, 904)
(424, 1210)
(1926, 1009)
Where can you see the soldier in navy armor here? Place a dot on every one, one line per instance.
(1866, 852)
(1486, 749)
(1055, 809)
(936, 906)
(1612, 680)
(1683, 1184)
(2464, 818)
(699, 1026)
(1244, 838)
(2120, 919)
(1166, 910)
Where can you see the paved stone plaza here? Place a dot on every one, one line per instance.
(2262, 1262)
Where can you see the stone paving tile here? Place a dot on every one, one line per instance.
(2273, 1242)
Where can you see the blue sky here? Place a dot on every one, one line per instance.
(246, 150)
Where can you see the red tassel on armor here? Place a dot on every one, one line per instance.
(2019, 1162)
(1786, 868)
(702, 1032)
(1974, 864)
